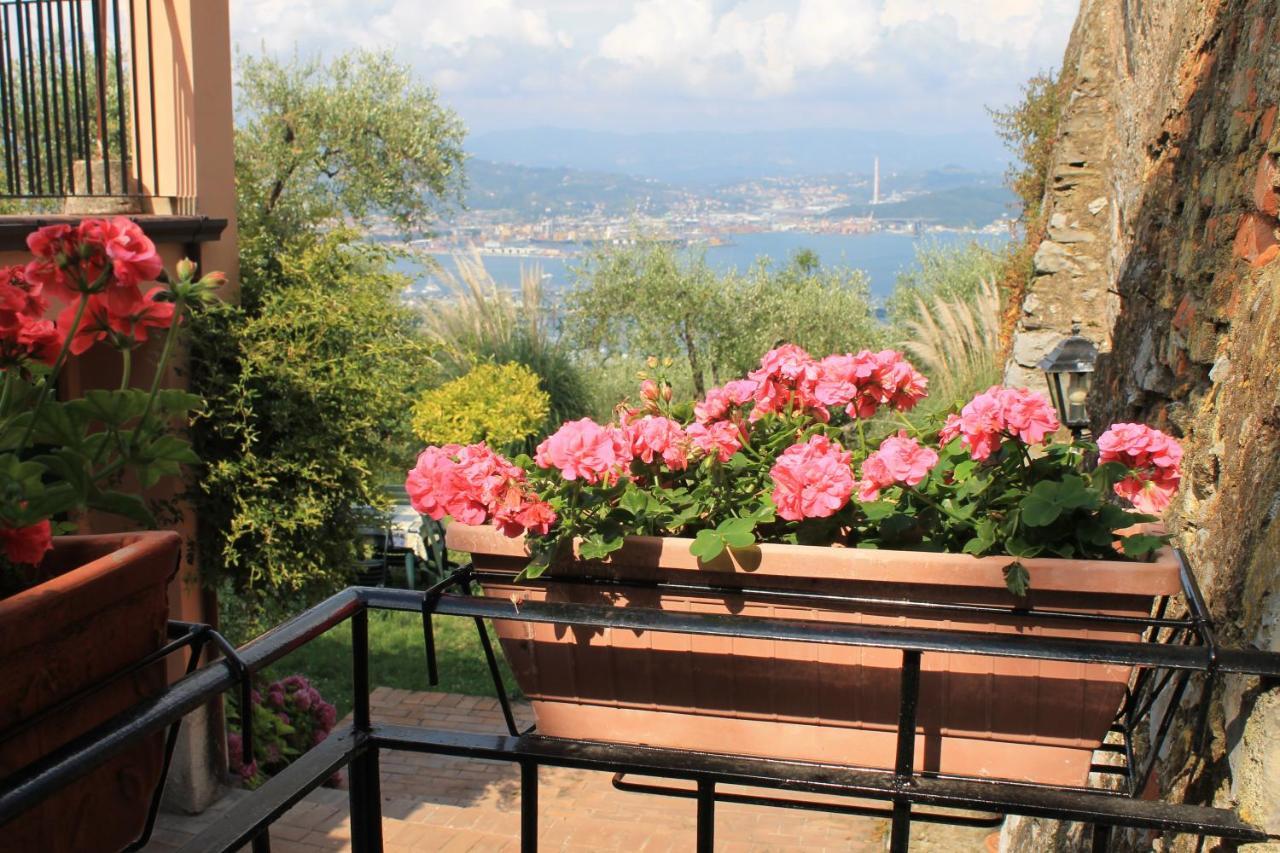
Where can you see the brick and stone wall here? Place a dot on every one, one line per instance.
(1162, 239)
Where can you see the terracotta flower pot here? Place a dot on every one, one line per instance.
(102, 608)
(979, 716)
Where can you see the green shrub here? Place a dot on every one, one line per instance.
(309, 398)
(941, 272)
(501, 404)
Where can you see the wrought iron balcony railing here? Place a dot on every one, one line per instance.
(1174, 650)
(75, 75)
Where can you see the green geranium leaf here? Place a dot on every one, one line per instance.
(635, 502)
(1017, 579)
(173, 401)
(130, 506)
(894, 528)
(1019, 547)
(878, 510)
(737, 532)
(1141, 544)
(539, 564)
(598, 546)
(707, 545)
(1040, 507)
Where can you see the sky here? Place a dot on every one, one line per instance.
(643, 65)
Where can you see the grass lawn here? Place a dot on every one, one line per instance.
(397, 658)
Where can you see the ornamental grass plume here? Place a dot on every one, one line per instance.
(784, 456)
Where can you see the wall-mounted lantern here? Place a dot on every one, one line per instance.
(1069, 371)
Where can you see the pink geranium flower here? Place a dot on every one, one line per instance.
(786, 382)
(130, 252)
(656, 437)
(721, 439)
(585, 450)
(812, 480)
(1154, 458)
(899, 461)
(998, 413)
(473, 485)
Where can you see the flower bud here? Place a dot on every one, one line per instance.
(666, 392)
(214, 279)
(649, 390)
(186, 269)
(652, 361)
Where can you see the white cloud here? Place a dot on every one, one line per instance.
(632, 62)
(767, 43)
(453, 25)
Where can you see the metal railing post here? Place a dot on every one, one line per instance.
(528, 807)
(706, 816)
(365, 791)
(904, 764)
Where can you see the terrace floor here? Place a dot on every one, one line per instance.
(438, 803)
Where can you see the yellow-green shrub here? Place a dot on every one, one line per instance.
(501, 404)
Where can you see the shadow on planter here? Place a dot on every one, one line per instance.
(980, 715)
(102, 607)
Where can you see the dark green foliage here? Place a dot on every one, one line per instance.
(309, 392)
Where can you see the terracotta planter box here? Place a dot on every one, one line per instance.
(103, 607)
(979, 716)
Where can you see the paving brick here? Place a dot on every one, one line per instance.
(440, 803)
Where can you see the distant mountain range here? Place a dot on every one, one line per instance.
(950, 196)
(534, 191)
(710, 158)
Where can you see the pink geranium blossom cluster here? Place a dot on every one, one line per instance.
(474, 485)
(657, 437)
(997, 413)
(789, 380)
(900, 460)
(720, 402)
(1154, 458)
(812, 480)
(96, 269)
(864, 382)
(721, 439)
(584, 450)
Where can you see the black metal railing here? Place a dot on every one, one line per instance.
(1172, 651)
(74, 75)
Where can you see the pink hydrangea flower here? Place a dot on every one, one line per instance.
(1154, 458)
(585, 450)
(656, 437)
(900, 460)
(996, 413)
(812, 480)
(719, 438)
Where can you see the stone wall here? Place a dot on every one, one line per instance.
(1163, 241)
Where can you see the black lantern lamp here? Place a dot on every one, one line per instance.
(1069, 370)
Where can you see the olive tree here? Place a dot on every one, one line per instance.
(311, 378)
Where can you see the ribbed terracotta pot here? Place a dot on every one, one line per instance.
(981, 716)
(102, 608)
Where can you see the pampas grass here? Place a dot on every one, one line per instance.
(477, 321)
(956, 343)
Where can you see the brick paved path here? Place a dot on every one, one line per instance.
(438, 803)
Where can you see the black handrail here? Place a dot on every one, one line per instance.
(1177, 648)
(71, 87)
